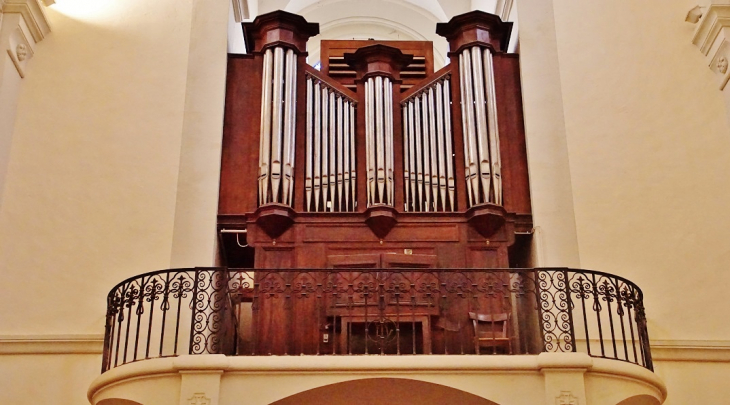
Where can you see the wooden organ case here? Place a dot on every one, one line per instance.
(384, 164)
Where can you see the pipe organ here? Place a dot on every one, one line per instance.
(378, 154)
(377, 162)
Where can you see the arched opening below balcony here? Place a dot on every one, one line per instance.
(640, 400)
(117, 401)
(395, 391)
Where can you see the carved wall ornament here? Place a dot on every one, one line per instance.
(722, 64)
(199, 399)
(566, 398)
(21, 51)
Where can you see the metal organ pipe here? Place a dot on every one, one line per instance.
(434, 149)
(481, 132)
(440, 142)
(448, 139)
(406, 160)
(411, 152)
(494, 147)
(333, 153)
(265, 131)
(370, 139)
(481, 122)
(308, 147)
(353, 172)
(380, 138)
(427, 149)
(419, 162)
(325, 148)
(388, 91)
(276, 123)
(340, 154)
(345, 151)
(317, 159)
(289, 126)
(471, 128)
(426, 153)
(278, 127)
(464, 130)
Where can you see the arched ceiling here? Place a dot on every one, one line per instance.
(376, 19)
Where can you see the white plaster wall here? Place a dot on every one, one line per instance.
(47, 379)
(92, 176)
(649, 155)
(695, 382)
(10, 83)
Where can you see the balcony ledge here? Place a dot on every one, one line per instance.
(294, 374)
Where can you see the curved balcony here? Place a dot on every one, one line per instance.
(334, 312)
(472, 336)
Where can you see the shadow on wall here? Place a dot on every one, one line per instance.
(640, 400)
(392, 391)
(117, 401)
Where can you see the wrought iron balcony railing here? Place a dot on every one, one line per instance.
(374, 311)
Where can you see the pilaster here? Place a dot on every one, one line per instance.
(23, 25)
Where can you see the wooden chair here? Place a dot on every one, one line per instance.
(491, 331)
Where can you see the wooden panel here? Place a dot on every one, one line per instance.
(432, 233)
(338, 233)
(395, 260)
(482, 257)
(333, 63)
(359, 261)
(239, 165)
(512, 134)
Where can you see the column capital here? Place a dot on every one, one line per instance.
(473, 28)
(378, 59)
(278, 28)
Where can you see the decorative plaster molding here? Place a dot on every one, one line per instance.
(691, 350)
(51, 344)
(241, 10)
(683, 350)
(33, 14)
(712, 36)
(467, 367)
(199, 399)
(566, 398)
(19, 49)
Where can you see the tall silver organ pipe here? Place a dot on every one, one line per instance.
(278, 126)
(494, 148)
(427, 149)
(332, 149)
(379, 140)
(481, 130)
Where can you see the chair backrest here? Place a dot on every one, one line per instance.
(490, 326)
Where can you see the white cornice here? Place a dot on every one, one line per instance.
(51, 344)
(33, 14)
(661, 350)
(691, 350)
(712, 36)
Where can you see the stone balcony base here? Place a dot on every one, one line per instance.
(548, 378)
